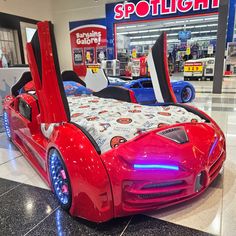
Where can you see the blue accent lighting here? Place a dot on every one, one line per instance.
(164, 167)
(6, 124)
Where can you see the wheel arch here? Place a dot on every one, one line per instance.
(90, 184)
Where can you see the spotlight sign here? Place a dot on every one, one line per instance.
(88, 44)
(152, 8)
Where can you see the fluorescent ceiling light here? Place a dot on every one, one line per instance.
(195, 20)
(131, 26)
(169, 23)
(212, 25)
(154, 30)
(211, 18)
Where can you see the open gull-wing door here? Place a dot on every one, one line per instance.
(45, 70)
(158, 66)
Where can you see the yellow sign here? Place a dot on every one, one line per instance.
(94, 68)
(134, 53)
(193, 68)
(188, 51)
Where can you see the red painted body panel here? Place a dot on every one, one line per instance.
(108, 185)
(49, 94)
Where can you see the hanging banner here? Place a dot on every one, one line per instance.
(88, 44)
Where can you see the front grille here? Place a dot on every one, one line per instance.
(136, 193)
(200, 181)
(161, 185)
(159, 195)
(216, 166)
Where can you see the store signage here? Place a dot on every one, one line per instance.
(88, 44)
(144, 8)
(91, 35)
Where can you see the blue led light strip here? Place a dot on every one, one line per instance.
(213, 147)
(166, 167)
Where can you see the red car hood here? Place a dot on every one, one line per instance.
(205, 144)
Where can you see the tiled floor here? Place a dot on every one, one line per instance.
(29, 210)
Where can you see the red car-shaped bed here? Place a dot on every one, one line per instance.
(104, 155)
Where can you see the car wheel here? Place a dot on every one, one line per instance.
(60, 181)
(6, 124)
(186, 94)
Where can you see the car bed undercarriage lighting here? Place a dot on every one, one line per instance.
(165, 167)
(6, 124)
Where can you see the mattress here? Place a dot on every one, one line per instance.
(111, 122)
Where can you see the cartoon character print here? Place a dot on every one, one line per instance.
(161, 125)
(76, 115)
(163, 113)
(117, 141)
(166, 108)
(194, 121)
(137, 106)
(134, 111)
(124, 121)
(102, 112)
(86, 106)
(91, 118)
(139, 131)
(150, 116)
(94, 101)
(105, 126)
(70, 89)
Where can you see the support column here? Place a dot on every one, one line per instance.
(220, 46)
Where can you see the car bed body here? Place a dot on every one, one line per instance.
(106, 156)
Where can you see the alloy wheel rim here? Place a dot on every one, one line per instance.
(59, 178)
(187, 94)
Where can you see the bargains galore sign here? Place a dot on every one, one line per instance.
(90, 35)
(161, 7)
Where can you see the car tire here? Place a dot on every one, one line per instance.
(187, 94)
(60, 181)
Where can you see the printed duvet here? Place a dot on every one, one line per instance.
(111, 122)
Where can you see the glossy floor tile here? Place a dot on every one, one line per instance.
(193, 213)
(28, 210)
(20, 170)
(60, 223)
(24, 207)
(229, 194)
(8, 151)
(6, 186)
(141, 225)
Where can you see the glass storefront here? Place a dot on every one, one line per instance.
(8, 47)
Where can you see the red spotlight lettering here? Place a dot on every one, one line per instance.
(142, 9)
(173, 7)
(119, 13)
(164, 8)
(215, 3)
(154, 4)
(198, 4)
(184, 6)
(129, 9)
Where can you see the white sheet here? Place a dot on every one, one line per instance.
(111, 122)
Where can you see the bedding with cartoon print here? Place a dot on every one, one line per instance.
(111, 122)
